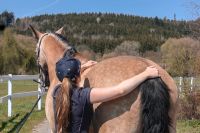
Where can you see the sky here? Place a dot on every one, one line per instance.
(146, 8)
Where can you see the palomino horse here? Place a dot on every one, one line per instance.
(150, 108)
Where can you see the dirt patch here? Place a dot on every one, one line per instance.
(42, 127)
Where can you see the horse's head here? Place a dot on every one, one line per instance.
(50, 48)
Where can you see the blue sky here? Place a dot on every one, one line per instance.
(149, 8)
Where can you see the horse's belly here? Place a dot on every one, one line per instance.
(122, 124)
(125, 123)
(117, 116)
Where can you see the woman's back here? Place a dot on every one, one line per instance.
(81, 110)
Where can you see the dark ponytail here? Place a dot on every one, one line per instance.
(155, 105)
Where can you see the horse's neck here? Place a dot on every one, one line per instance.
(53, 57)
(52, 75)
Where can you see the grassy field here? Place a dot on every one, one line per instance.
(188, 126)
(22, 106)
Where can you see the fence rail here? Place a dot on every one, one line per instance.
(9, 78)
(17, 77)
(3, 99)
(192, 83)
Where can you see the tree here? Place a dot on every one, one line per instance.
(1, 61)
(128, 48)
(181, 56)
(86, 51)
(195, 7)
(30, 65)
(7, 18)
(9, 53)
(125, 48)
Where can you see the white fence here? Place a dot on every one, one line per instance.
(191, 83)
(11, 95)
(9, 78)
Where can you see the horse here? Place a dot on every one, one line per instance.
(150, 108)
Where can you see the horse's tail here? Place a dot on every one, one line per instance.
(155, 106)
(63, 106)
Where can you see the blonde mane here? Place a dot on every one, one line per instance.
(63, 41)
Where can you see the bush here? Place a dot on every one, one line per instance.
(16, 56)
(10, 55)
(86, 51)
(125, 48)
(181, 56)
(128, 48)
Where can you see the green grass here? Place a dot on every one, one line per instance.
(20, 106)
(188, 126)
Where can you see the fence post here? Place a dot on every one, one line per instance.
(39, 94)
(191, 83)
(10, 95)
(180, 83)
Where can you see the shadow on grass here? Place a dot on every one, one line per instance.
(19, 124)
(5, 123)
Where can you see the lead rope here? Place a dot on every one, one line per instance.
(27, 116)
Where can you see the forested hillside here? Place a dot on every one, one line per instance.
(102, 32)
(104, 35)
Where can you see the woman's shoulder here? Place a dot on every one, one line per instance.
(84, 90)
(82, 94)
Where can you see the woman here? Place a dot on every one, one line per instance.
(81, 99)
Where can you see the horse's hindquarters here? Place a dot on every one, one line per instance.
(122, 115)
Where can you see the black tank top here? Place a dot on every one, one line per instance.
(81, 111)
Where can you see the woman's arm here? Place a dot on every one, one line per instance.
(125, 87)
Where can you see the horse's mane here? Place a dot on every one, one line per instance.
(61, 39)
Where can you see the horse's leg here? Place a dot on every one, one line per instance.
(49, 110)
(173, 111)
(173, 102)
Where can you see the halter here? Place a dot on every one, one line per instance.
(43, 70)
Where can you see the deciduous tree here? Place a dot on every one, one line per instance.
(181, 56)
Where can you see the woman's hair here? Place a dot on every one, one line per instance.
(67, 70)
(63, 105)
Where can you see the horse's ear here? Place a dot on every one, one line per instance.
(60, 31)
(36, 33)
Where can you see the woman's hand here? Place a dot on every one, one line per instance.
(89, 63)
(151, 72)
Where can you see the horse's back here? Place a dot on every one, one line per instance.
(122, 114)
